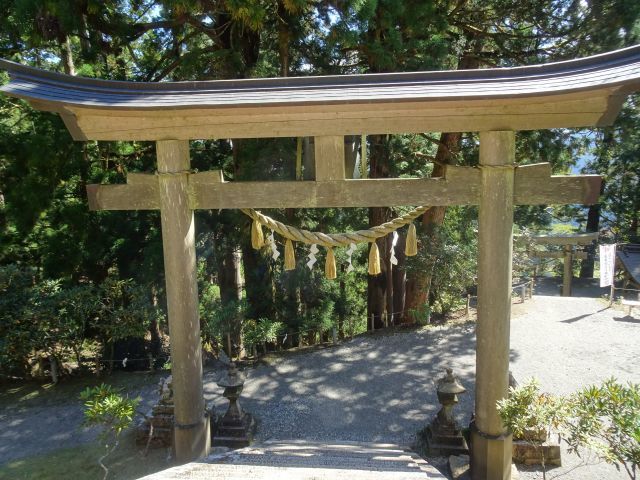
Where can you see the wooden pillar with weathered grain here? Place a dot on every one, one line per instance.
(191, 437)
(568, 271)
(491, 444)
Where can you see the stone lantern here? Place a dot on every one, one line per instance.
(444, 435)
(235, 428)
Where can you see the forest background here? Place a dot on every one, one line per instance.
(86, 288)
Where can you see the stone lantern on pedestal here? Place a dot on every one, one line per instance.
(236, 427)
(444, 435)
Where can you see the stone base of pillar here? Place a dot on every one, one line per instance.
(528, 454)
(445, 442)
(198, 437)
(490, 456)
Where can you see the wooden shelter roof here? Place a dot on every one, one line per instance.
(584, 92)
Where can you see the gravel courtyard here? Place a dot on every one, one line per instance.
(381, 388)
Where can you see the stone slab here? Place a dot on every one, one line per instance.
(459, 467)
(301, 460)
(527, 454)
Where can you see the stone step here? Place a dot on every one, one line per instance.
(301, 460)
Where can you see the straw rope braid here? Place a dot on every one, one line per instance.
(334, 239)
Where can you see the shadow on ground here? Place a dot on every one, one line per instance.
(375, 388)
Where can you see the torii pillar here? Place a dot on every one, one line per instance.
(191, 425)
(491, 444)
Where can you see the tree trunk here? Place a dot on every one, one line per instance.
(66, 55)
(378, 285)
(593, 225)
(418, 285)
(257, 283)
(284, 37)
(54, 369)
(230, 282)
(154, 331)
(399, 281)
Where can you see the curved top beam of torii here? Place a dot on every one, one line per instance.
(577, 93)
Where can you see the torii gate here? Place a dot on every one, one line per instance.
(568, 242)
(495, 102)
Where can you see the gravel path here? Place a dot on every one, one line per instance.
(568, 343)
(381, 388)
(34, 430)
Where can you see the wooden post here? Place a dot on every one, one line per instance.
(329, 156)
(467, 310)
(613, 281)
(191, 433)
(531, 287)
(568, 271)
(491, 444)
(523, 292)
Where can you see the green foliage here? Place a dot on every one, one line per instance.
(125, 310)
(261, 331)
(530, 414)
(46, 318)
(603, 418)
(422, 315)
(606, 419)
(107, 408)
(449, 253)
(218, 319)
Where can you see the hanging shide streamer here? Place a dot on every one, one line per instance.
(272, 245)
(312, 256)
(289, 256)
(393, 259)
(257, 237)
(330, 265)
(374, 259)
(411, 247)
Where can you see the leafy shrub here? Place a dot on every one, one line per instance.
(113, 413)
(449, 254)
(606, 419)
(261, 332)
(530, 415)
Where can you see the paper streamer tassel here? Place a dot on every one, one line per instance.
(374, 259)
(289, 256)
(330, 265)
(411, 247)
(257, 237)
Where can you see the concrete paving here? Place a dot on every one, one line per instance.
(302, 460)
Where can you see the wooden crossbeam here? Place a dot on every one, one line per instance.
(578, 255)
(460, 186)
(573, 239)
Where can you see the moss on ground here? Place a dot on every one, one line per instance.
(80, 462)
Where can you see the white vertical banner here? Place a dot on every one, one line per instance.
(607, 264)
